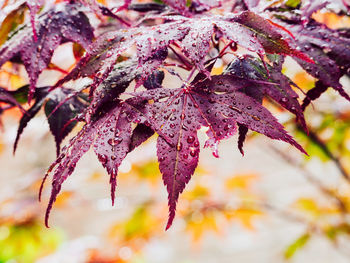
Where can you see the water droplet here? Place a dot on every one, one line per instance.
(102, 158)
(193, 153)
(190, 139)
(227, 127)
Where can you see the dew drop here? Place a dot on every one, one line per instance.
(190, 139)
(193, 153)
(102, 158)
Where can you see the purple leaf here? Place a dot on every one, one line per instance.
(154, 81)
(53, 28)
(282, 92)
(193, 35)
(40, 97)
(330, 51)
(62, 121)
(269, 35)
(112, 143)
(112, 138)
(196, 43)
(140, 134)
(67, 161)
(242, 131)
(245, 110)
(314, 93)
(34, 6)
(9, 98)
(179, 113)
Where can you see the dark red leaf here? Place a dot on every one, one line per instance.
(53, 28)
(242, 131)
(34, 6)
(314, 93)
(40, 96)
(282, 91)
(61, 120)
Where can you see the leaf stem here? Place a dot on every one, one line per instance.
(181, 58)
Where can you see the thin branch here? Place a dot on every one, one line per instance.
(318, 184)
(317, 140)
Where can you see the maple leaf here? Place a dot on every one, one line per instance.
(34, 6)
(184, 33)
(314, 93)
(194, 34)
(176, 115)
(9, 97)
(120, 78)
(61, 121)
(60, 24)
(179, 113)
(330, 51)
(280, 89)
(61, 117)
(39, 95)
(112, 137)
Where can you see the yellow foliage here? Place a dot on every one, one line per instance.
(11, 21)
(313, 208)
(332, 20)
(142, 224)
(199, 223)
(10, 78)
(245, 216)
(243, 181)
(304, 80)
(197, 192)
(63, 198)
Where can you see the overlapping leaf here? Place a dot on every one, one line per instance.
(217, 104)
(330, 51)
(112, 138)
(60, 119)
(58, 25)
(221, 103)
(9, 97)
(194, 34)
(280, 88)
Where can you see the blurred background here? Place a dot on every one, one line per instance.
(272, 205)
